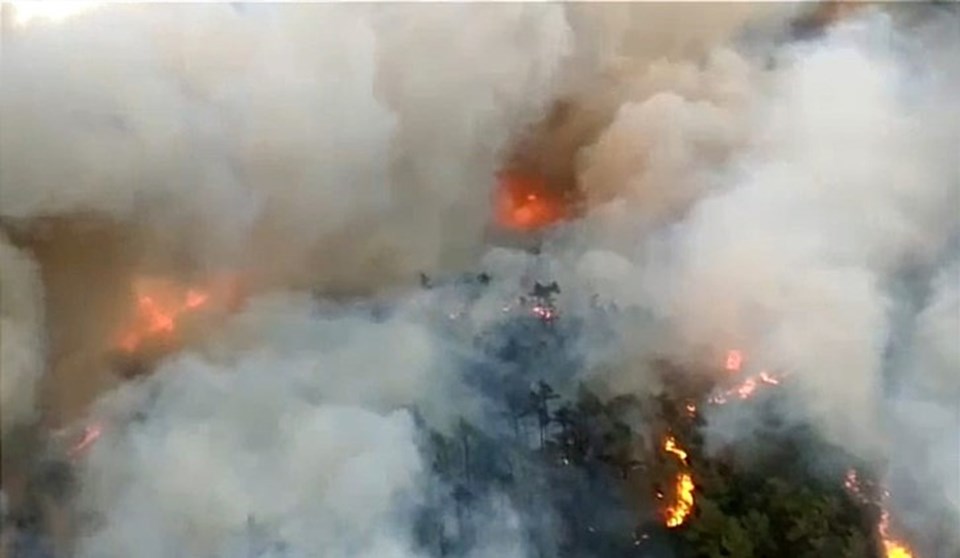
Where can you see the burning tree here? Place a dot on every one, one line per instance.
(627, 487)
(617, 476)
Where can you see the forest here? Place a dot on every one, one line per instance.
(587, 474)
(631, 476)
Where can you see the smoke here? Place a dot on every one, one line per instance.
(625, 55)
(270, 142)
(299, 434)
(317, 477)
(344, 148)
(793, 209)
(937, 355)
(924, 418)
(733, 198)
(22, 352)
(295, 147)
(336, 147)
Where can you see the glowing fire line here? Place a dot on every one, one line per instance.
(670, 446)
(746, 389)
(892, 548)
(676, 514)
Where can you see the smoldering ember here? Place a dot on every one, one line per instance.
(543, 280)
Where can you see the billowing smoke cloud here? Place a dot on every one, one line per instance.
(280, 135)
(23, 349)
(296, 147)
(801, 244)
(298, 432)
(337, 147)
(736, 200)
(924, 418)
(935, 349)
(316, 476)
(792, 218)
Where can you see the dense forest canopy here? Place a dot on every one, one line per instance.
(633, 475)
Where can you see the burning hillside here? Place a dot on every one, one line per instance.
(717, 299)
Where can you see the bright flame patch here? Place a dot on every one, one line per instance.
(525, 203)
(161, 305)
(670, 446)
(676, 513)
(892, 548)
(746, 388)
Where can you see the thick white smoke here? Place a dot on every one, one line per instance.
(790, 220)
(289, 425)
(924, 416)
(798, 248)
(331, 146)
(23, 347)
(320, 477)
(762, 204)
(267, 137)
(935, 350)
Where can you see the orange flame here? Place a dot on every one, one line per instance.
(161, 305)
(892, 548)
(676, 514)
(526, 203)
(679, 511)
(748, 387)
(670, 446)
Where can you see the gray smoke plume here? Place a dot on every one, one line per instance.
(764, 194)
(22, 352)
(334, 147)
(777, 214)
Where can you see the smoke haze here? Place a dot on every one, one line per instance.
(739, 187)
